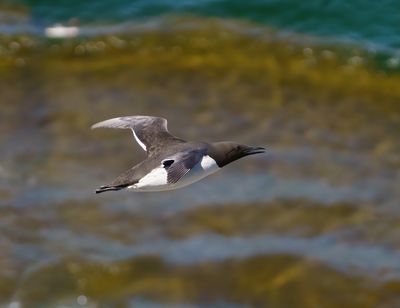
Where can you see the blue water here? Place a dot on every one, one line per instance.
(373, 24)
(326, 195)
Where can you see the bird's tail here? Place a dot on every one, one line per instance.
(109, 188)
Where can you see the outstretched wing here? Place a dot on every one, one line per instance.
(181, 163)
(150, 132)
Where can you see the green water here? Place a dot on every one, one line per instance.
(369, 22)
(314, 223)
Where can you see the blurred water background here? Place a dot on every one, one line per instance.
(314, 223)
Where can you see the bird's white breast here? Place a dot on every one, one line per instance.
(156, 180)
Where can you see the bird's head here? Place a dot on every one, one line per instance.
(226, 152)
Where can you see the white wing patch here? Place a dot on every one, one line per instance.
(138, 140)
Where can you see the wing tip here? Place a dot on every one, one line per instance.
(96, 125)
(109, 123)
(123, 121)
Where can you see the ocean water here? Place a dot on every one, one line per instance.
(313, 223)
(369, 23)
(367, 26)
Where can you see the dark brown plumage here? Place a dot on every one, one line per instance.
(171, 155)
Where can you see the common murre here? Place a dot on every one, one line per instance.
(171, 162)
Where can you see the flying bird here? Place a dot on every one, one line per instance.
(171, 162)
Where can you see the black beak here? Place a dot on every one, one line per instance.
(254, 150)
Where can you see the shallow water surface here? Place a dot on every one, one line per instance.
(314, 222)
